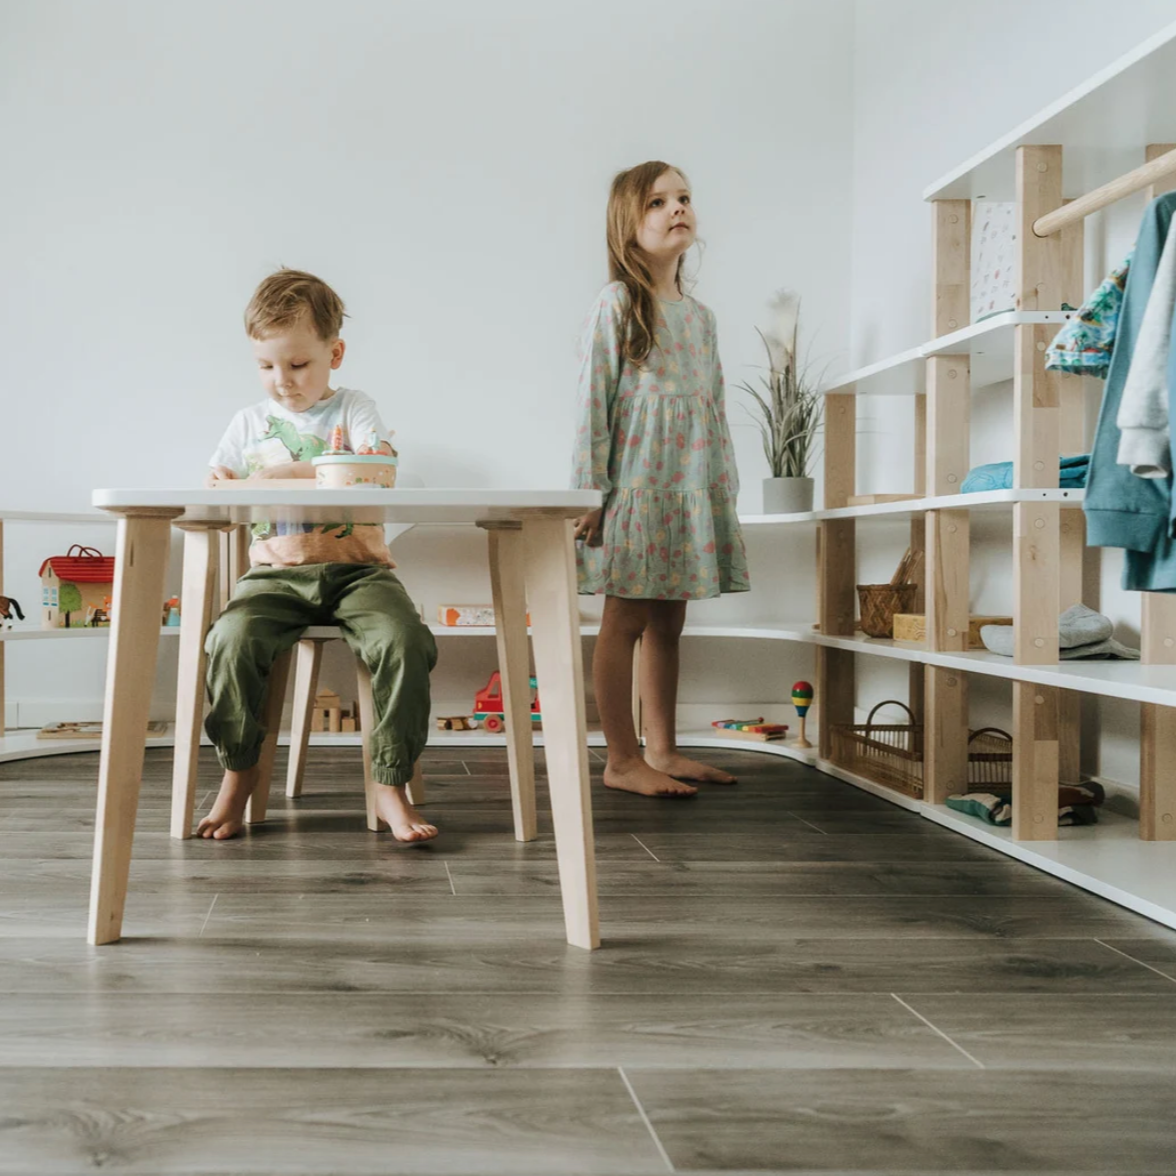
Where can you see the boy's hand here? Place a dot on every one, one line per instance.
(218, 474)
(290, 469)
(587, 527)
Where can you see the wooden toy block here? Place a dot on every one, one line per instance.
(913, 627)
(347, 726)
(334, 720)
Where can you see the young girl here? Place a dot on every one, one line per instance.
(653, 439)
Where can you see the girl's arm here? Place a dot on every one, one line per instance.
(719, 396)
(600, 374)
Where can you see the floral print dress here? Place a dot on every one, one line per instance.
(654, 440)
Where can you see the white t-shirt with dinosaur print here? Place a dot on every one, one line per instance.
(268, 434)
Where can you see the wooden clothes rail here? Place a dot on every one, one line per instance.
(1078, 210)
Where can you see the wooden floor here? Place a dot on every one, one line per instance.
(796, 977)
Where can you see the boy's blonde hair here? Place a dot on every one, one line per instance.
(626, 209)
(289, 295)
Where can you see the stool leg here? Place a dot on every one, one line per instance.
(272, 718)
(306, 671)
(366, 717)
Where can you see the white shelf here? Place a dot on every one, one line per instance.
(985, 500)
(25, 631)
(989, 344)
(47, 516)
(1111, 679)
(1103, 126)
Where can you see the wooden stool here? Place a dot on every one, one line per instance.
(309, 658)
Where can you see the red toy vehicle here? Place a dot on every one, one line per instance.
(488, 704)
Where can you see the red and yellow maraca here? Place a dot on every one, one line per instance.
(802, 697)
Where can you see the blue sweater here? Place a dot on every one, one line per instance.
(1123, 510)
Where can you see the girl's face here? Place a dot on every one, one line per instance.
(667, 228)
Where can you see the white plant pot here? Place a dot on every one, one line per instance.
(788, 495)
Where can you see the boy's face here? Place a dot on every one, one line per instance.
(295, 365)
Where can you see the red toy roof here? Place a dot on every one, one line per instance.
(88, 569)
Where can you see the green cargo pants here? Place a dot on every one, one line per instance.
(271, 607)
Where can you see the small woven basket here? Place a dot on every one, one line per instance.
(887, 753)
(990, 759)
(878, 604)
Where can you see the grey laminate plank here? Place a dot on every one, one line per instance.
(1043, 1033)
(442, 1031)
(882, 847)
(207, 870)
(893, 1121)
(978, 879)
(638, 962)
(342, 838)
(376, 911)
(1154, 951)
(322, 1121)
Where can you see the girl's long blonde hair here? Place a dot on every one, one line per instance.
(626, 210)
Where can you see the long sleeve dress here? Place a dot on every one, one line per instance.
(654, 440)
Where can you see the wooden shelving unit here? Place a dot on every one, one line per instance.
(1120, 119)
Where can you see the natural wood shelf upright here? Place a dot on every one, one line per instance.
(1049, 553)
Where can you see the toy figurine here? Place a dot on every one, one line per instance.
(802, 698)
(371, 444)
(8, 606)
(339, 441)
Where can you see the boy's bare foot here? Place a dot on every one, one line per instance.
(226, 818)
(636, 775)
(406, 823)
(681, 768)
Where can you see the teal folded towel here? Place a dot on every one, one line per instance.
(998, 475)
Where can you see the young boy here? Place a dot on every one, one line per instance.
(310, 574)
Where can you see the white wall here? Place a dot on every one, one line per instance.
(445, 166)
(935, 83)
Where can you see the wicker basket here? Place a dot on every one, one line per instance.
(887, 753)
(892, 753)
(878, 604)
(990, 759)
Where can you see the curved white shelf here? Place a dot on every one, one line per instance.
(48, 516)
(984, 500)
(989, 344)
(1129, 104)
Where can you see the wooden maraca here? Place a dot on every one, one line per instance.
(802, 697)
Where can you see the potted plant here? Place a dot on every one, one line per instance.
(787, 409)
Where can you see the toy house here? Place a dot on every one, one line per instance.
(329, 715)
(75, 587)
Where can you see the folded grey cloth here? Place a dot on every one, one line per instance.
(1082, 633)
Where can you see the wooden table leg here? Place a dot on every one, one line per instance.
(140, 570)
(507, 583)
(201, 551)
(555, 626)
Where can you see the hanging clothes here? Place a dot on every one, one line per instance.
(1144, 445)
(1085, 344)
(1123, 510)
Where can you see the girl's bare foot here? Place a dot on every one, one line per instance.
(226, 818)
(406, 823)
(635, 775)
(681, 768)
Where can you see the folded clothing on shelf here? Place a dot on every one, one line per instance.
(1082, 633)
(1078, 804)
(998, 475)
